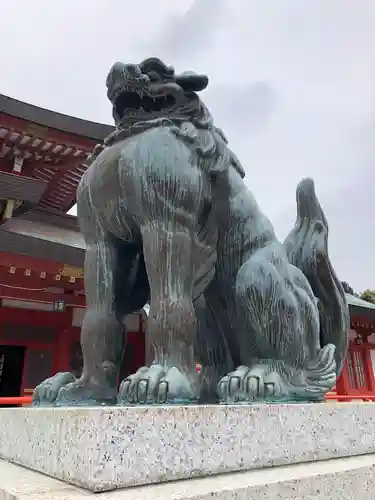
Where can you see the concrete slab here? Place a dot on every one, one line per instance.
(104, 448)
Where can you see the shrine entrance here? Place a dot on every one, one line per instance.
(11, 369)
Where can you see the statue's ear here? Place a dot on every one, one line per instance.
(191, 82)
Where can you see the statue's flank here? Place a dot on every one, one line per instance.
(168, 220)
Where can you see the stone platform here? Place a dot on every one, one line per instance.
(337, 479)
(102, 449)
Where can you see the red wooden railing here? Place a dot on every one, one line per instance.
(348, 397)
(21, 400)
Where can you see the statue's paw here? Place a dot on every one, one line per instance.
(82, 392)
(159, 385)
(45, 394)
(249, 385)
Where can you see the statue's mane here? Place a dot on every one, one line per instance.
(197, 129)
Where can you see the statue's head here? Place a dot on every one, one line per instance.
(151, 90)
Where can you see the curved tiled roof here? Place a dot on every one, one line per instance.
(356, 301)
(52, 119)
(54, 148)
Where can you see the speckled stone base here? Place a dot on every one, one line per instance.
(102, 449)
(337, 479)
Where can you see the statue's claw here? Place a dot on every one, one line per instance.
(45, 394)
(82, 392)
(250, 385)
(158, 385)
(65, 390)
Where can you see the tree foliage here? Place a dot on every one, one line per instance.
(368, 295)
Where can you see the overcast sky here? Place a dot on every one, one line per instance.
(292, 84)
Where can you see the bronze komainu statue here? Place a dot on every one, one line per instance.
(168, 220)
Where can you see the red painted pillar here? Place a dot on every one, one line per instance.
(369, 366)
(140, 350)
(343, 384)
(61, 355)
(1, 319)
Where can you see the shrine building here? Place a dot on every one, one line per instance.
(42, 301)
(42, 155)
(357, 378)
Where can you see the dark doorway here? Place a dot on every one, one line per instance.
(11, 369)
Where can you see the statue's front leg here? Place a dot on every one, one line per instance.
(170, 192)
(102, 338)
(172, 324)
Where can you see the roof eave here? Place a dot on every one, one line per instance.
(53, 119)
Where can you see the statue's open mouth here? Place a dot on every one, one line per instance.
(150, 89)
(138, 100)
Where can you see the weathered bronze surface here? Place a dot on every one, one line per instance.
(168, 219)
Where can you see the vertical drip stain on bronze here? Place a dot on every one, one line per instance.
(169, 221)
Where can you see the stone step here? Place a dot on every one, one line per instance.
(350, 478)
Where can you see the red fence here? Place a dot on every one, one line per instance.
(23, 400)
(346, 398)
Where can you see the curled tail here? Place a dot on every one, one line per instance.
(307, 248)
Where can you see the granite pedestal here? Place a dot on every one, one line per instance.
(103, 449)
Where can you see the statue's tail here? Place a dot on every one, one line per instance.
(307, 248)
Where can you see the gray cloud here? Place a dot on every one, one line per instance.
(291, 84)
(250, 108)
(184, 35)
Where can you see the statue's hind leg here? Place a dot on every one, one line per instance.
(281, 359)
